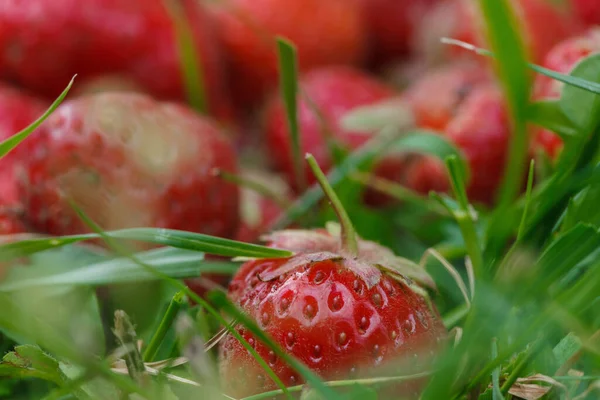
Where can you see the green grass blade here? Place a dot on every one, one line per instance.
(189, 59)
(165, 237)
(9, 144)
(358, 159)
(115, 246)
(175, 263)
(511, 66)
(548, 114)
(586, 85)
(288, 85)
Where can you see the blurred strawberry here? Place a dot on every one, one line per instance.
(435, 97)
(587, 10)
(260, 210)
(481, 129)
(128, 161)
(562, 58)
(392, 25)
(325, 33)
(543, 25)
(44, 43)
(327, 95)
(18, 109)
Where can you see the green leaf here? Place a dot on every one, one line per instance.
(9, 144)
(288, 83)
(220, 299)
(166, 237)
(28, 361)
(566, 252)
(496, 392)
(373, 118)
(567, 348)
(583, 208)
(430, 143)
(511, 65)
(189, 59)
(175, 263)
(581, 106)
(549, 114)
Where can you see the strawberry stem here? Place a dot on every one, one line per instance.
(349, 238)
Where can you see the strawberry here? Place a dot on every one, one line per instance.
(392, 24)
(343, 309)
(587, 10)
(44, 43)
(435, 96)
(481, 129)
(128, 161)
(325, 33)
(328, 94)
(543, 25)
(562, 58)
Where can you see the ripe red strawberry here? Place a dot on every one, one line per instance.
(587, 10)
(481, 129)
(562, 58)
(128, 161)
(392, 25)
(44, 43)
(543, 24)
(435, 96)
(333, 91)
(325, 33)
(343, 309)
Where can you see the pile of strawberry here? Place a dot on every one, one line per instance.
(129, 150)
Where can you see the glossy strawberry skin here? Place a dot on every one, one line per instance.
(562, 58)
(333, 91)
(391, 25)
(44, 43)
(435, 97)
(128, 161)
(481, 130)
(326, 316)
(324, 32)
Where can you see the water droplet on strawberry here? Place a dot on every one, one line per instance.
(272, 358)
(290, 340)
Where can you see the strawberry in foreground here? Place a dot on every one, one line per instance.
(44, 43)
(563, 59)
(345, 308)
(325, 33)
(128, 161)
(327, 94)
